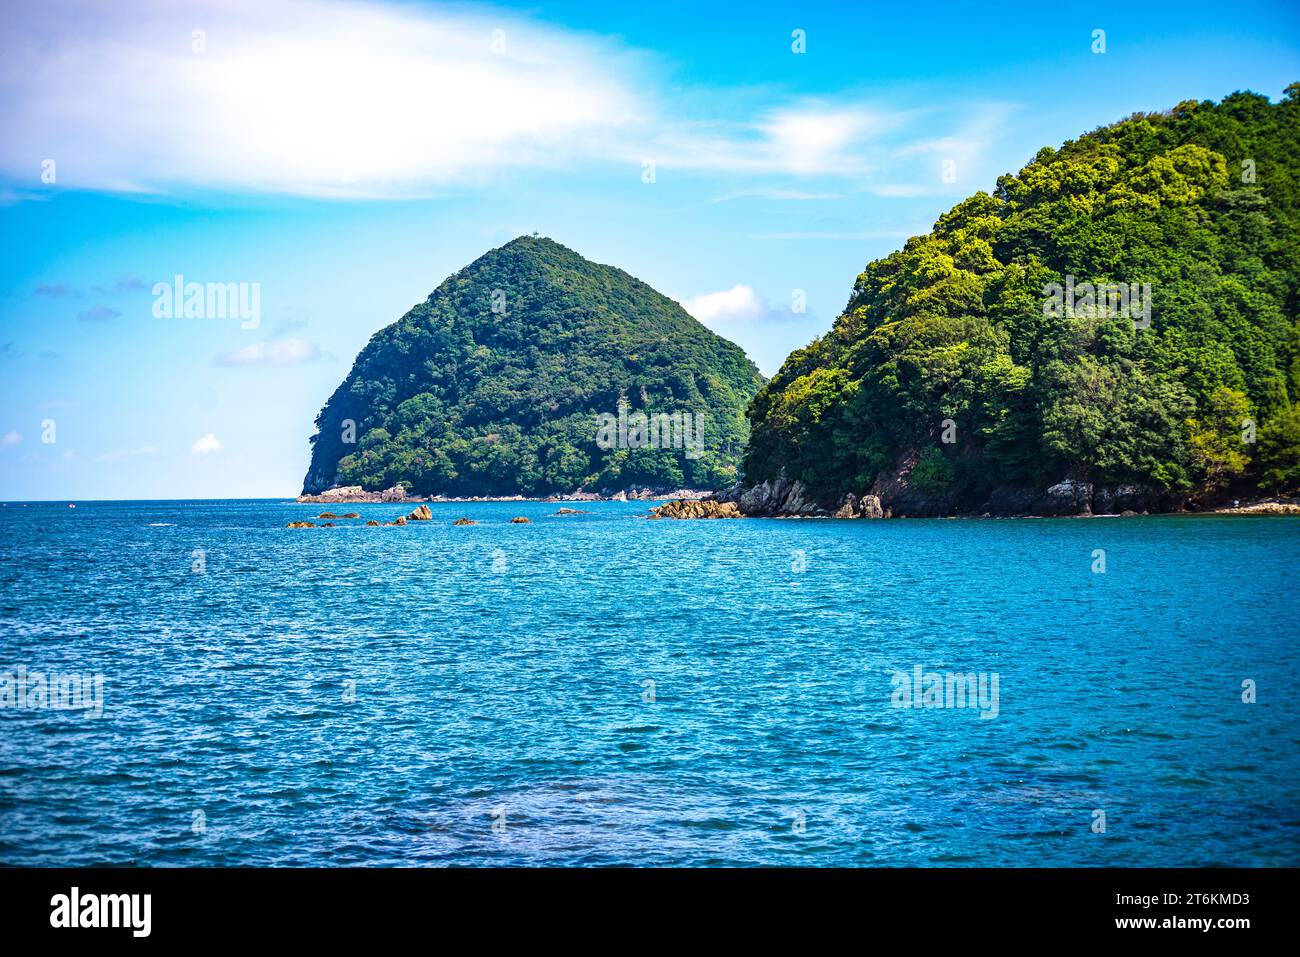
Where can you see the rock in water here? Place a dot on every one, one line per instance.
(355, 493)
(464, 521)
(422, 513)
(869, 507)
(686, 508)
(520, 520)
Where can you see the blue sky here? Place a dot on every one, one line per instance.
(347, 157)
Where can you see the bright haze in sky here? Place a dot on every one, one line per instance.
(345, 158)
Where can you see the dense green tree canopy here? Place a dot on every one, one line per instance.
(494, 385)
(1202, 203)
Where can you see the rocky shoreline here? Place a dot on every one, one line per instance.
(894, 498)
(787, 498)
(356, 495)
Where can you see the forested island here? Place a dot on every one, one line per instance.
(960, 379)
(534, 371)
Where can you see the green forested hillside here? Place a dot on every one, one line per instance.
(1202, 202)
(494, 385)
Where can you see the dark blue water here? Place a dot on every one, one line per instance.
(443, 695)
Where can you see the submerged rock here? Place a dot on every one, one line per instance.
(302, 525)
(571, 511)
(520, 520)
(327, 515)
(464, 521)
(372, 524)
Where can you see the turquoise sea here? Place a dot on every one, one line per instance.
(602, 689)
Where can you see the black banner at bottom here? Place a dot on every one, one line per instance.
(302, 906)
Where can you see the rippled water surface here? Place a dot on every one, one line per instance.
(482, 695)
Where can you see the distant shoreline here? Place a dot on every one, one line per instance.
(355, 496)
(1270, 507)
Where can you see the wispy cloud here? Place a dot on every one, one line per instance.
(54, 290)
(388, 100)
(309, 97)
(289, 352)
(98, 314)
(117, 455)
(9, 439)
(285, 326)
(902, 190)
(846, 234)
(119, 286)
(123, 284)
(810, 138)
(779, 194)
(948, 164)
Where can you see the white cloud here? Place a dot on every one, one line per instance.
(386, 100)
(9, 438)
(807, 139)
(311, 97)
(740, 302)
(205, 445)
(821, 141)
(289, 352)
